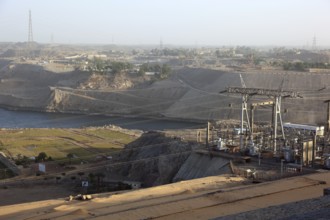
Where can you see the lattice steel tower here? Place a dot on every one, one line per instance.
(30, 37)
(161, 44)
(314, 44)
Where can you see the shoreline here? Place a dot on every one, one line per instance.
(124, 116)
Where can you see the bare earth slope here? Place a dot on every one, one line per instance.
(25, 86)
(205, 198)
(187, 94)
(154, 158)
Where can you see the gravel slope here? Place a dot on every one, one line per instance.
(187, 94)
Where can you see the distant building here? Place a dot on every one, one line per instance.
(319, 130)
(238, 55)
(151, 73)
(101, 56)
(318, 70)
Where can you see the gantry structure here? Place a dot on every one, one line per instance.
(277, 96)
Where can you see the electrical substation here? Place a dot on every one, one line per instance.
(258, 147)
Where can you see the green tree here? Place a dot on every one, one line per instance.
(287, 66)
(299, 66)
(73, 178)
(134, 52)
(41, 157)
(165, 71)
(143, 69)
(70, 156)
(80, 174)
(99, 64)
(218, 53)
(156, 68)
(118, 67)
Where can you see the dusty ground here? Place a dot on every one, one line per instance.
(204, 198)
(317, 209)
(17, 195)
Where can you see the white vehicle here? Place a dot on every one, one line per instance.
(221, 145)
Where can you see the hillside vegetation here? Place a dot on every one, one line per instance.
(82, 144)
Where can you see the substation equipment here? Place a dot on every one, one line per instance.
(295, 148)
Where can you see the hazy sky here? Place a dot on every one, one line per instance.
(188, 22)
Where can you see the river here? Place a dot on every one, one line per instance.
(26, 119)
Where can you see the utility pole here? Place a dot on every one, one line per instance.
(277, 113)
(244, 111)
(314, 148)
(207, 138)
(328, 115)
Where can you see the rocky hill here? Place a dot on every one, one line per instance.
(154, 159)
(191, 94)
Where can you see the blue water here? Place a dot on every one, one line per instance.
(26, 119)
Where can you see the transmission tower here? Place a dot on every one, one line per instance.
(161, 44)
(52, 38)
(314, 44)
(30, 37)
(328, 115)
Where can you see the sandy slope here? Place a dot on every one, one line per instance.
(188, 93)
(194, 199)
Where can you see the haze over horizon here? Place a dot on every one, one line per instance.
(184, 22)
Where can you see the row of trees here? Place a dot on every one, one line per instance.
(161, 71)
(102, 66)
(174, 52)
(42, 157)
(25, 161)
(302, 66)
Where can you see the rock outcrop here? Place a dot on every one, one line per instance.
(154, 158)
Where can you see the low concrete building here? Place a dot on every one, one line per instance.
(133, 184)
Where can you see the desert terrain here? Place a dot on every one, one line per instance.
(188, 94)
(164, 110)
(179, 175)
(205, 198)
